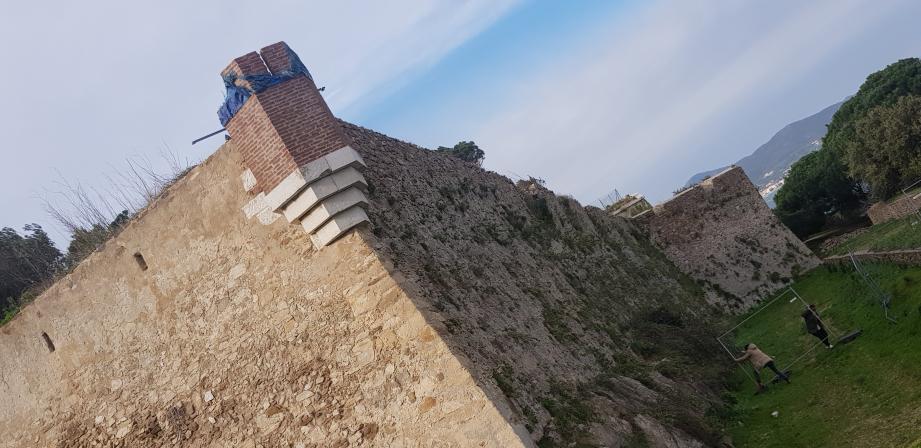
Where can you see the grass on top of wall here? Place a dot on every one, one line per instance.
(863, 394)
(893, 235)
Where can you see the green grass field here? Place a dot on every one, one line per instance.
(863, 394)
(892, 235)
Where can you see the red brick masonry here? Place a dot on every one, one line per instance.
(286, 125)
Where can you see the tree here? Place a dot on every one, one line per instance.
(467, 151)
(25, 260)
(84, 241)
(816, 186)
(829, 181)
(885, 150)
(882, 88)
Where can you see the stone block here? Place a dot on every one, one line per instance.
(339, 225)
(254, 206)
(327, 186)
(343, 157)
(248, 179)
(285, 190)
(333, 205)
(315, 170)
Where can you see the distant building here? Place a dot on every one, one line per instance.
(630, 206)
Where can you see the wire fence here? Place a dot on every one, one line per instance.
(884, 298)
(786, 324)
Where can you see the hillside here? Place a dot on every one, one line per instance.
(767, 165)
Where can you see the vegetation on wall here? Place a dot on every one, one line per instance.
(466, 151)
(902, 233)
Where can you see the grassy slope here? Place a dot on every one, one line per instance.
(892, 235)
(864, 394)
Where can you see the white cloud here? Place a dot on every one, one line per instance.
(91, 83)
(627, 105)
(422, 37)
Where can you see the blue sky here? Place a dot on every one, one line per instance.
(532, 37)
(589, 95)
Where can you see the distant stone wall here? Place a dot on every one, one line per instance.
(900, 207)
(722, 234)
(903, 257)
(632, 208)
(592, 336)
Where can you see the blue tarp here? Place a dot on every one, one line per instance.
(237, 95)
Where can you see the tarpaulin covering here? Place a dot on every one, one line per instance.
(237, 95)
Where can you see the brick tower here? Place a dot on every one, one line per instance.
(299, 162)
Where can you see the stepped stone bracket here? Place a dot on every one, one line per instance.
(327, 197)
(299, 162)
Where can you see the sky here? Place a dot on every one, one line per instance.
(587, 95)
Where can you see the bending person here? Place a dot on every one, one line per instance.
(760, 360)
(815, 326)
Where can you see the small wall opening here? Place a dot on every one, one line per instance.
(140, 261)
(48, 342)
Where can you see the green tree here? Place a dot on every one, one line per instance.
(467, 151)
(882, 88)
(816, 186)
(885, 150)
(828, 181)
(84, 241)
(25, 260)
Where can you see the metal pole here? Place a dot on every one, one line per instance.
(880, 295)
(209, 135)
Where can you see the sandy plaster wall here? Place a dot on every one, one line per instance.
(237, 334)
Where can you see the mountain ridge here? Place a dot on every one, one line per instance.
(767, 165)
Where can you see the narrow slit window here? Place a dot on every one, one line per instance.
(48, 342)
(140, 261)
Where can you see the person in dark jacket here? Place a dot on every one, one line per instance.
(815, 326)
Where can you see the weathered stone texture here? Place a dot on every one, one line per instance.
(473, 312)
(237, 335)
(910, 257)
(900, 207)
(567, 314)
(722, 234)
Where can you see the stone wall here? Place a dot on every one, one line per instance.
(722, 234)
(592, 336)
(421, 301)
(235, 335)
(900, 207)
(911, 257)
(472, 312)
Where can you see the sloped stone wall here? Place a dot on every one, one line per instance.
(236, 335)
(722, 234)
(472, 312)
(900, 207)
(910, 257)
(589, 333)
